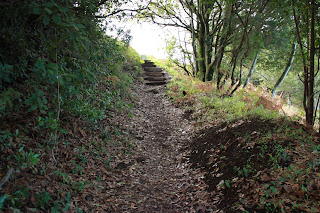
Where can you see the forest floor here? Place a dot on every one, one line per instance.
(179, 166)
(158, 157)
(247, 164)
(158, 178)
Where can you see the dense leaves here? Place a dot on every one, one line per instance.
(59, 51)
(221, 39)
(57, 68)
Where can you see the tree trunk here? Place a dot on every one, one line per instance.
(286, 70)
(194, 46)
(240, 79)
(202, 65)
(234, 64)
(310, 102)
(208, 54)
(251, 69)
(217, 66)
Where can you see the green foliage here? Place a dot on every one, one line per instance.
(58, 56)
(26, 159)
(57, 65)
(7, 100)
(15, 200)
(44, 199)
(37, 101)
(6, 72)
(46, 202)
(2, 200)
(217, 104)
(5, 137)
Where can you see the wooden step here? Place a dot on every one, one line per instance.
(155, 74)
(153, 69)
(148, 65)
(154, 83)
(149, 78)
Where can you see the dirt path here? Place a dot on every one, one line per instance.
(156, 180)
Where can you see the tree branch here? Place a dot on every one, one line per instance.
(139, 10)
(5, 178)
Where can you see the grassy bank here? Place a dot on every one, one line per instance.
(253, 156)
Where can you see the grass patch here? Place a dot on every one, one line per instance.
(254, 157)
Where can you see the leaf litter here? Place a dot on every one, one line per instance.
(159, 161)
(128, 164)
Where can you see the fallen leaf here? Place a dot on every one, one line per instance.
(265, 178)
(82, 133)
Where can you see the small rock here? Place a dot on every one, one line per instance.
(154, 91)
(122, 165)
(141, 159)
(89, 198)
(139, 137)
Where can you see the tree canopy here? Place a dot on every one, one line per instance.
(224, 36)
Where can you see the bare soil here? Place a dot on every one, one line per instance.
(219, 150)
(160, 178)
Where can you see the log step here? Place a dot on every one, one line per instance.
(148, 64)
(153, 69)
(162, 78)
(155, 83)
(155, 74)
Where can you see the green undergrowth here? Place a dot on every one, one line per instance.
(253, 157)
(211, 105)
(62, 83)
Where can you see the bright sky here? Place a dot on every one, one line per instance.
(148, 39)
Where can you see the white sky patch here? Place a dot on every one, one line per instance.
(148, 39)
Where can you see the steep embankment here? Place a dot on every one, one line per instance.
(252, 157)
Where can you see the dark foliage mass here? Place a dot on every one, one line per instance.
(57, 69)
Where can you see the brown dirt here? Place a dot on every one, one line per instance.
(182, 169)
(158, 163)
(218, 150)
(159, 181)
(135, 164)
(222, 153)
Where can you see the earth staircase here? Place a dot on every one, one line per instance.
(154, 75)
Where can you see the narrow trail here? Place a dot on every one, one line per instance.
(160, 180)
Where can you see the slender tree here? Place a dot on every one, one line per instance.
(286, 70)
(308, 30)
(251, 69)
